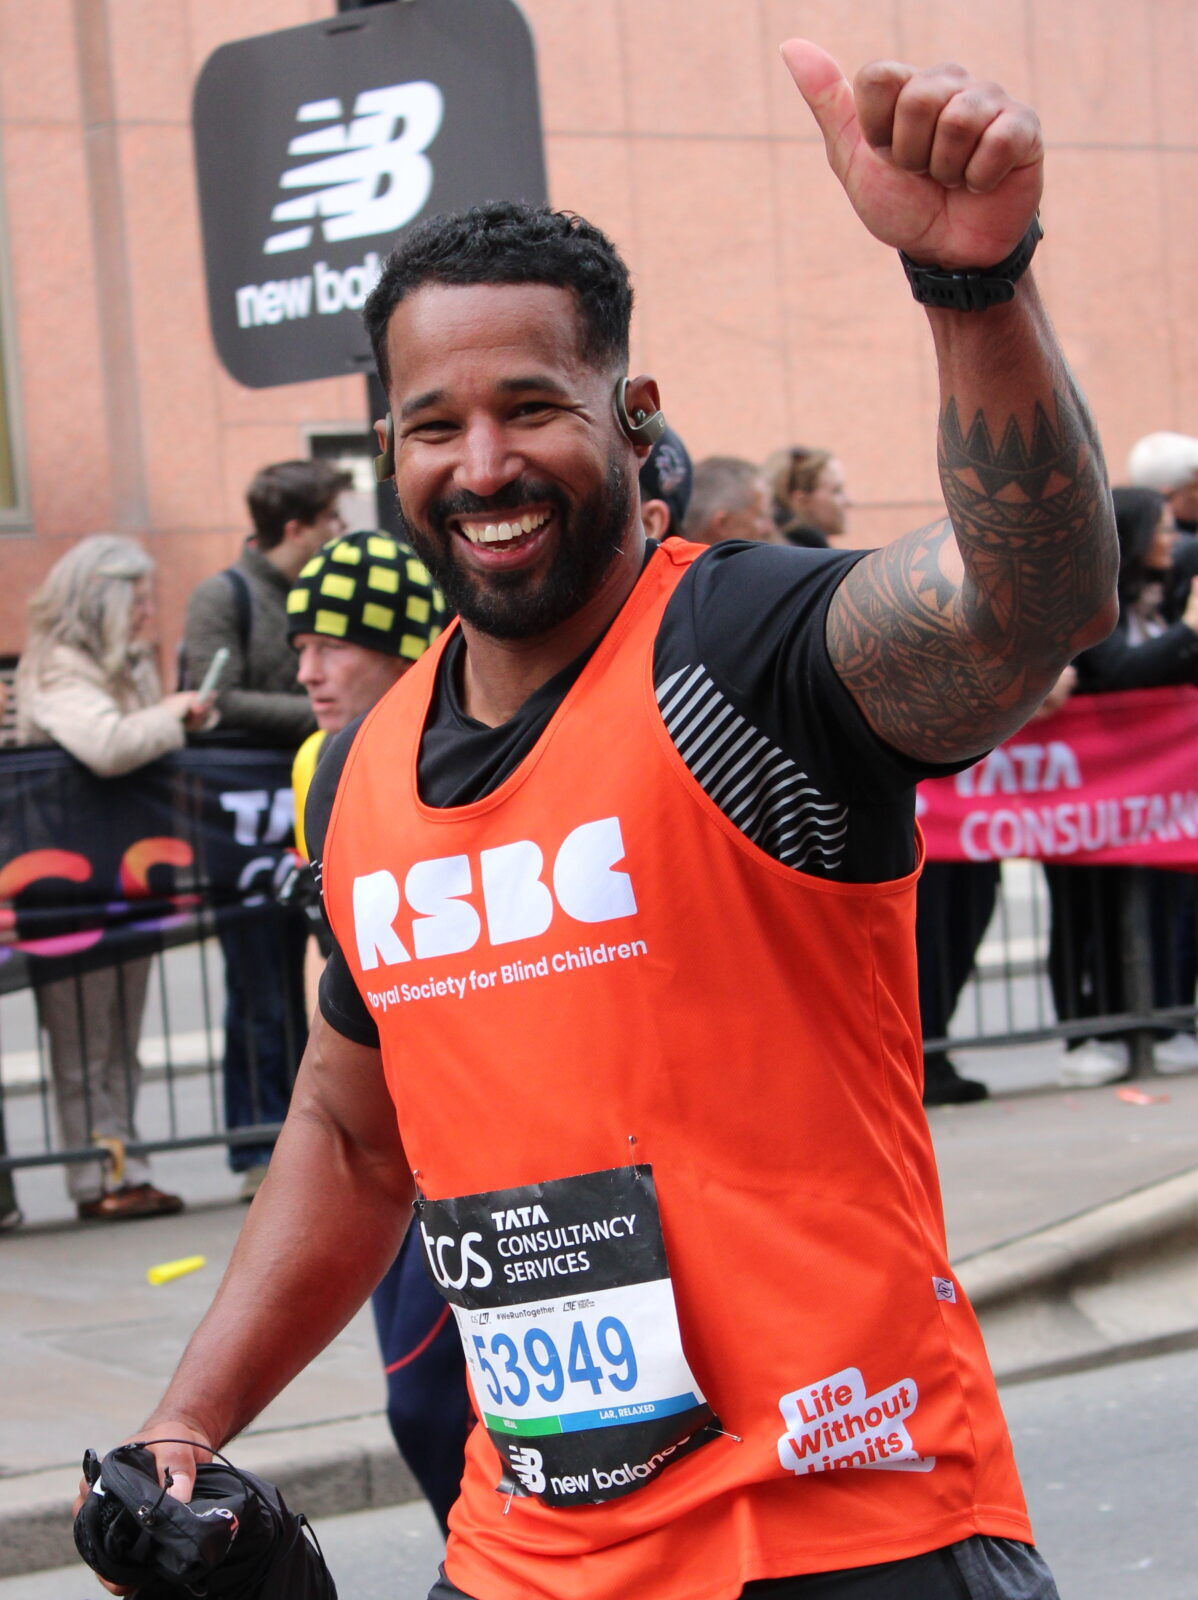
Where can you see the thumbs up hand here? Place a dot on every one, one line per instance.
(935, 162)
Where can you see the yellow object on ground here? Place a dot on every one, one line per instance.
(166, 1270)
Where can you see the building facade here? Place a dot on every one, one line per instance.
(763, 308)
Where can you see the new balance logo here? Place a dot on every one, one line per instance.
(527, 1464)
(370, 175)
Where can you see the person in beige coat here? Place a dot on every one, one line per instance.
(87, 682)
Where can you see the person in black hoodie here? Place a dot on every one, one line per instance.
(1146, 651)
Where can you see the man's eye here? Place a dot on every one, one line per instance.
(429, 425)
(533, 407)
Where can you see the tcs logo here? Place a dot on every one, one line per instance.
(517, 901)
(475, 1270)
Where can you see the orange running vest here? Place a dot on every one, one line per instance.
(593, 954)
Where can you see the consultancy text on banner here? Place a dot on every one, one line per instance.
(1109, 778)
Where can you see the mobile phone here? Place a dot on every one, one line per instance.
(215, 667)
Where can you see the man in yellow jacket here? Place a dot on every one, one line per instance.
(358, 615)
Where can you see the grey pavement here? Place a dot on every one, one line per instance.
(1072, 1218)
(1105, 1457)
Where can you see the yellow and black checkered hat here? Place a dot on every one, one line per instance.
(368, 589)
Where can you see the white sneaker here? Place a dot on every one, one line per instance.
(1178, 1053)
(1097, 1061)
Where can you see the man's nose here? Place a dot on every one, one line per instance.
(487, 462)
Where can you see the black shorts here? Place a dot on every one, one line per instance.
(981, 1568)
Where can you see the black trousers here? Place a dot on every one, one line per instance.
(931, 1577)
(1085, 951)
(953, 906)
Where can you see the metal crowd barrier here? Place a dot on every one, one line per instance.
(1141, 975)
(1007, 1001)
(180, 1103)
(102, 873)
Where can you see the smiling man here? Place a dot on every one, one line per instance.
(622, 879)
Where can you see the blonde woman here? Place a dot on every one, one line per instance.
(809, 500)
(87, 682)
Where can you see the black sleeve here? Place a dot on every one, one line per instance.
(1185, 555)
(758, 614)
(1182, 572)
(1116, 663)
(341, 1005)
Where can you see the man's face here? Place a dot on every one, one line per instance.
(515, 485)
(343, 680)
(330, 524)
(753, 521)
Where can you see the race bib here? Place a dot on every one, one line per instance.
(567, 1317)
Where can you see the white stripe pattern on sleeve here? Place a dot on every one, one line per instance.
(755, 784)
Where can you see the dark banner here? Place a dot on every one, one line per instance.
(98, 870)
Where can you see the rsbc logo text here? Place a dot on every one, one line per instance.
(517, 901)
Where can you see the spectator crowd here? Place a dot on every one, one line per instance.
(312, 624)
(718, 738)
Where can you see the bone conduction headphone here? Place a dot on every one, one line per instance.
(641, 427)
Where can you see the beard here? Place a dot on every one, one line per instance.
(521, 605)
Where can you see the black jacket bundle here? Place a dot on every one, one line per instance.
(234, 1540)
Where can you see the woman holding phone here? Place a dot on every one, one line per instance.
(87, 682)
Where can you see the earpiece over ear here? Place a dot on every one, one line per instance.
(640, 427)
(384, 465)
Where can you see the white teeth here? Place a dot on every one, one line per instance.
(503, 532)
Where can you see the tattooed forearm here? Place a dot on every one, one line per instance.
(941, 669)
(1026, 514)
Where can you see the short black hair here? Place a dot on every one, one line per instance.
(508, 242)
(291, 489)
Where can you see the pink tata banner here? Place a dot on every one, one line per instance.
(1108, 778)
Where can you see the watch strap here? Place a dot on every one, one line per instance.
(973, 288)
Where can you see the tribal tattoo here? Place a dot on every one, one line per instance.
(940, 671)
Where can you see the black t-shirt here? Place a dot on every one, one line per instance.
(752, 702)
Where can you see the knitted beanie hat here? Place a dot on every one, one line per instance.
(369, 589)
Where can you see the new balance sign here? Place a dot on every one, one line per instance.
(317, 146)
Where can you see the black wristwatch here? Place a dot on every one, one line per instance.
(973, 288)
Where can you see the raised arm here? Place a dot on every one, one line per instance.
(325, 1225)
(948, 638)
